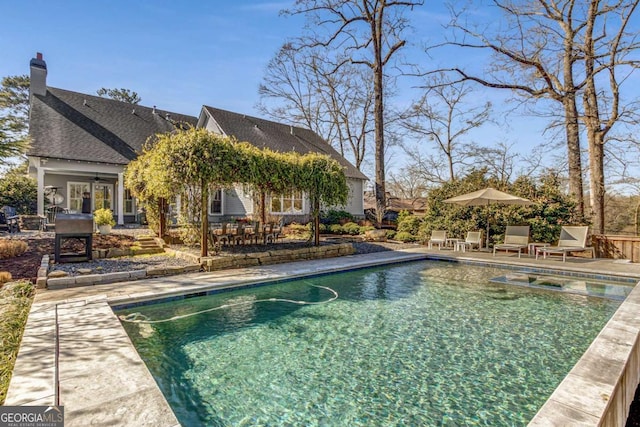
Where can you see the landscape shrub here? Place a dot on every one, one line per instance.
(336, 229)
(103, 217)
(405, 237)
(351, 228)
(323, 228)
(10, 248)
(5, 277)
(391, 234)
(334, 217)
(408, 223)
(365, 228)
(298, 231)
(188, 231)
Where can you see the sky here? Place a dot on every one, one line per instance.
(181, 55)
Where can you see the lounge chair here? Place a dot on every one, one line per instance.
(439, 237)
(516, 238)
(474, 238)
(572, 239)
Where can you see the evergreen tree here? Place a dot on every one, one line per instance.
(124, 95)
(14, 117)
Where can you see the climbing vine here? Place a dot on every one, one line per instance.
(195, 161)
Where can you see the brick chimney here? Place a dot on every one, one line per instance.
(38, 76)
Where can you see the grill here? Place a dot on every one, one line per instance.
(73, 226)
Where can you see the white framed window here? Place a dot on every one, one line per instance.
(291, 204)
(129, 203)
(74, 195)
(215, 202)
(103, 196)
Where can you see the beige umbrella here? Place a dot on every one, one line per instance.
(486, 197)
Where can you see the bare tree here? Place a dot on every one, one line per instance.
(370, 32)
(606, 49)
(409, 184)
(300, 88)
(442, 115)
(500, 160)
(534, 54)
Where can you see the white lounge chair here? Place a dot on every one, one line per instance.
(439, 237)
(572, 239)
(474, 238)
(516, 238)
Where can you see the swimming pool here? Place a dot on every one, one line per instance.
(426, 343)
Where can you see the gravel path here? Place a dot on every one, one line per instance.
(111, 265)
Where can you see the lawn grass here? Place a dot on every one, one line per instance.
(15, 302)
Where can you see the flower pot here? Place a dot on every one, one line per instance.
(104, 229)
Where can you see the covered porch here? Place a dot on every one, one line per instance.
(63, 184)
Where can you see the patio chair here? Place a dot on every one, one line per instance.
(572, 239)
(516, 238)
(251, 233)
(4, 226)
(439, 237)
(239, 235)
(219, 234)
(277, 231)
(474, 238)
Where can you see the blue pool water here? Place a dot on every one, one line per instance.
(427, 343)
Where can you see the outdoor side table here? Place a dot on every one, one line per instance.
(532, 248)
(453, 243)
(461, 245)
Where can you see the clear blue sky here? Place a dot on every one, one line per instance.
(176, 55)
(181, 55)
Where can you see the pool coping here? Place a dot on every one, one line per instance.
(98, 357)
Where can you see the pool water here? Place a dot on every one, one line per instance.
(427, 343)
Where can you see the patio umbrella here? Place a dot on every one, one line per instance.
(486, 197)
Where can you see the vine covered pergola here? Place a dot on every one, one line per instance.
(199, 161)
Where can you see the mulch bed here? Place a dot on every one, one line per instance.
(26, 265)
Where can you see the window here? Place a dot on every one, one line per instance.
(129, 203)
(103, 196)
(215, 202)
(289, 204)
(74, 195)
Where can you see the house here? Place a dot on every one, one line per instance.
(81, 144)
(416, 206)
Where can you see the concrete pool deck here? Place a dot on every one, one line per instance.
(103, 381)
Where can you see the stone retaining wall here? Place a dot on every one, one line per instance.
(207, 263)
(275, 257)
(116, 252)
(120, 276)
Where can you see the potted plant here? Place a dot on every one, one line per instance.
(104, 220)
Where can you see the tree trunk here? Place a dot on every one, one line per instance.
(316, 221)
(596, 177)
(572, 129)
(595, 135)
(378, 109)
(572, 126)
(162, 218)
(204, 219)
(263, 207)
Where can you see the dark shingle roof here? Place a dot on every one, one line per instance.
(76, 126)
(276, 136)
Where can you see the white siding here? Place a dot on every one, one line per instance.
(236, 202)
(355, 202)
